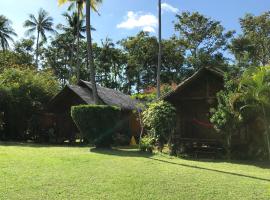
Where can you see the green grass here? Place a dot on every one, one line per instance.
(47, 172)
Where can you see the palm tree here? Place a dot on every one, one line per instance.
(73, 26)
(6, 32)
(76, 30)
(255, 93)
(159, 49)
(91, 4)
(41, 24)
(79, 4)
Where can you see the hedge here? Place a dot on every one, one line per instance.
(97, 123)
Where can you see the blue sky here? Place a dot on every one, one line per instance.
(122, 18)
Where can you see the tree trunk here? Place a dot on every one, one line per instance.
(141, 126)
(78, 43)
(159, 49)
(37, 49)
(229, 145)
(90, 52)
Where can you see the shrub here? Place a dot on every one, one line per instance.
(160, 121)
(97, 123)
(147, 143)
(24, 92)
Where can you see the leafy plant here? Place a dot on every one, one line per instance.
(225, 117)
(160, 121)
(255, 95)
(147, 143)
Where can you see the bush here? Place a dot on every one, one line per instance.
(23, 92)
(97, 123)
(147, 143)
(160, 121)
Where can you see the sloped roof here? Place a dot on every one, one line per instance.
(83, 93)
(196, 75)
(112, 97)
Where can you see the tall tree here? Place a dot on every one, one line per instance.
(159, 48)
(142, 52)
(205, 39)
(41, 24)
(72, 25)
(252, 47)
(6, 32)
(76, 29)
(91, 4)
(110, 62)
(79, 6)
(58, 56)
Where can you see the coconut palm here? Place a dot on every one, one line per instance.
(72, 25)
(89, 4)
(6, 32)
(77, 30)
(159, 51)
(41, 24)
(79, 5)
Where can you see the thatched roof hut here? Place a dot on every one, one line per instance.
(81, 93)
(193, 99)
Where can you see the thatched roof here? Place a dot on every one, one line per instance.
(196, 75)
(83, 91)
(111, 97)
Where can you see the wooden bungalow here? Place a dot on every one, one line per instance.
(71, 95)
(193, 99)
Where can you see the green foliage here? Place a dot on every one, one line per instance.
(204, 39)
(160, 120)
(141, 60)
(40, 24)
(255, 97)
(144, 97)
(97, 123)
(240, 105)
(252, 47)
(24, 92)
(15, 59)
(225, 117)
(147, 143)
(6, 32)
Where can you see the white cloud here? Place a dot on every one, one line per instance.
(169, 8)
(149, 29)
(147, 22)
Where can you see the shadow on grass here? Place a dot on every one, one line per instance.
(260, 164)
(40, 145)
(212, 170)
(123, 152)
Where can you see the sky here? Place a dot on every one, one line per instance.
(123, 18)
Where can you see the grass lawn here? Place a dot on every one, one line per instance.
(47, 172)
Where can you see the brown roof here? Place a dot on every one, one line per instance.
(197, 74)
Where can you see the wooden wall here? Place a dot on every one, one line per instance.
(193, 103)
